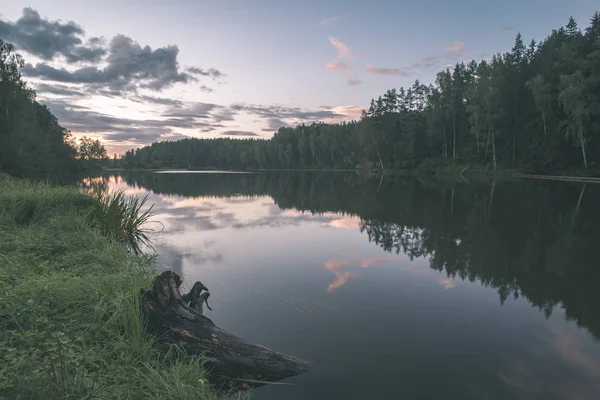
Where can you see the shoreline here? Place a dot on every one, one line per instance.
(70, 303)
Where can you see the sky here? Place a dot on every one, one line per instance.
(133, 72)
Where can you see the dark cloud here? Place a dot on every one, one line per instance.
(224, 115)
(51, 39)
(211, 72)
(123, 65)
(60, 90)
(507, 28)
(282, 112)
(283, 220)
(428, 62)
(83, 119)
(238, 133)
(273, 124)
(211, 128)
(157, 100)
(193, 110)
(136, 136)
(129, 66)
(280, 116)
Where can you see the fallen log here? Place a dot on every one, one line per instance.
(178, 318)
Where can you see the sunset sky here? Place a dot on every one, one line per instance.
(133, 72)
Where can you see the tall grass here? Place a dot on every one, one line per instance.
(123, 218)
(71, 321)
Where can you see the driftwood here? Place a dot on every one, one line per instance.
(178, 318)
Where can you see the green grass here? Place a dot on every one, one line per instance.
(70, 312)
(123, 218)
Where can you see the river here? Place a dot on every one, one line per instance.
(393, 287)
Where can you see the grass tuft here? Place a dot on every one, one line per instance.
(123, 218)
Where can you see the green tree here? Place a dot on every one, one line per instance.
(574, 98)
(541, 91)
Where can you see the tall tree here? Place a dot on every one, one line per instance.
(541, 91)
(574, 99)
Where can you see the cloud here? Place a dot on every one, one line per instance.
(152, 136)
(59, 90)
(211, 72)
(283, 112)
(446, 60)
(118, 69)
(344, 51)
(337, 66)
(331, 20)
(457, 48)
(129, 66)
(427, 62)
(386, 71)
(342, 276)
(191, 110)
(507, 28)
(51, 39)
(345, 223)
(348, 112)
(447, 283)
(157, 100)
(211, 128)
(281, 219)
(353, 82)
(224, 115)
(81, 119)
(280, 116)
(238, 133)
(273, 124)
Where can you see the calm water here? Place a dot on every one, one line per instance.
(394, 288)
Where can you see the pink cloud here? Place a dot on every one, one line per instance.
(447, 283)
(348, 113)
(386, 71)
(337, 66)
(457, 47)
(339, 266)
(341, 278)
(344, 51)
(353, 82)
(345, 223)
(335, 264)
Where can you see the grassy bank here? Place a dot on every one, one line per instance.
(70, 311)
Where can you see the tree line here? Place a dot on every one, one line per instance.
(534, 108)
(32, 142)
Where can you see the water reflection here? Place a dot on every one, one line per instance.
(342, 267)
(422, 267)
(531, 239)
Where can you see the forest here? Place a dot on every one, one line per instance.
(32, 142)
(534, 109)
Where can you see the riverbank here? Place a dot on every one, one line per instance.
(70, 305)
